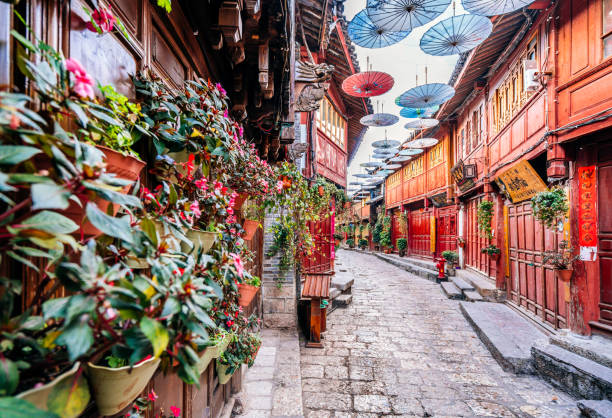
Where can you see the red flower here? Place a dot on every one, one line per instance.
(152, 396)
(104, 19)
(176, 411)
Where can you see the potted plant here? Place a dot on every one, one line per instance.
(402, 244)
(242, 350)
(217, 345)
(451, 258)
(562, 261)
(350, 242)
(337, 238)
(492, 251)
(461, 242)
(385, 234)
(363, 243)
(550, 206)
(247, 290)
(253, 214)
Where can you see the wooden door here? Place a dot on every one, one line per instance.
(419, 229)
(395, 228)
(321, 259)
(446, 230)
(604, 197)
(533, 286)
(474, 257)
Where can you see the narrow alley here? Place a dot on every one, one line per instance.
(403, 348)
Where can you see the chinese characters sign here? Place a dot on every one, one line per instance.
(522, 182)
(587, 210)
(464, 182)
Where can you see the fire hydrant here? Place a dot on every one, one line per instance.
(440, 266)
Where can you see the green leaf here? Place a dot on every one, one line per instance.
(55, 308)
(171, 307)
(22, 260)
(148, 227)
(114, 227)
(48, 221)
(156, 333)
(49, 196)
(78, 111)
(9, 377)
(15, 154)
(20, 408)
(18, 178)
(165, 4)
(70, 397)
(78, 338)
(4, 187)
(113, 196)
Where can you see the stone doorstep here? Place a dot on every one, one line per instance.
(508, 336)
(572, 373)
(462, 284)
(473, 296)
(596, 348)
(342, 283)
(595, 409)
(482, 285)
(342, 301)
(412, 268)
(451, 291)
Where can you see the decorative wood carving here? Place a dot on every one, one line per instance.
(230, 21)
(268, 90)
(311, 84)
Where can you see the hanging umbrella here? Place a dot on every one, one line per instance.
(379, 119)
(426, 95)
(362, 176)
(411, 151)
(493, 7)
(422, 124)
(422, 143)
(355, 183)
(364, 33)
(404, 15)
(368, 187)
(411, 113)
(392, 166)
(385, 172)
(456, 34)
(371, 164)
(385, 143)
(381, 156)
(367, 84)
(400, 159)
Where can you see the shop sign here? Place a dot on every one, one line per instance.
(521, 182)
(587, 213)
(432, 233)
(439, 200)
(464, 175)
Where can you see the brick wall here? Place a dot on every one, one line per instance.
(279, 304)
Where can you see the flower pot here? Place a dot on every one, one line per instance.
(124, 167)
(134, 262)
(461, 244)
(564, 275)
(205, 358)
(239, 201)
(41, 396)
(250, 227)
(402, 253)
(247, 292)
(200, 239)
(494, 256)
(321, 190)
(114, 389)
(222, 372)
(450, 269)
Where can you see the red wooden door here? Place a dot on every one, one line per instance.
(533, 286)
(419, 229)
(395, 228)
(446, 230)
(604, 182)
(321, 259)
(474, 257)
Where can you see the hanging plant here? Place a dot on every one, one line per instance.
(485, 216)
(550, 206)
(385, 236)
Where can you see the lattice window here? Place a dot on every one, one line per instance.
(331, 122)
(607, 28)
(436, 154)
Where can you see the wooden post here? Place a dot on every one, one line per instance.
(315, 324)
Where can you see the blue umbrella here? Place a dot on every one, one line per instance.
(411, 113)
(427, 95)
(404, 15)
(379, 119)
(364, 33)
(493, 7)
(456, 34)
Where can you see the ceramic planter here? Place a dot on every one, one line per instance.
(115, 389)
(40, 396)
(239, 201)
(213, 352)
(122, 166)
(203, 239)
(250, 227)
(222, 372)
(247, 292)
(564, 275)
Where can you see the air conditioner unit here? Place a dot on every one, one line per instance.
(530, 78)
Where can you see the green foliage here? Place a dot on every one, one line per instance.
(385, 235)
(550, 207)
(402, 244)
(450, 256)
(490, 250)
(378, 229)
(338, 236)
(363, 243)
(165, 4)
(350, 242)
(485, 216)
(562, 259)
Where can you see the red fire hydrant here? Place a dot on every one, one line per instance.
(440, 266)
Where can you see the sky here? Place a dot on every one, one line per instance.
(403, 61)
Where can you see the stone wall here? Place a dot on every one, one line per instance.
(279, 304)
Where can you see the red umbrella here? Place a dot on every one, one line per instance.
(368, 84)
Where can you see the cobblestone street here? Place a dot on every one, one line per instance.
(402, 348)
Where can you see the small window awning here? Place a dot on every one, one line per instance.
(316, 286)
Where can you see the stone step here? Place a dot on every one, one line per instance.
(342, 301)
(577, 375)
(334, 293)
(597, 348)
(472, 296)
(451, 291)
(482, 285)
(595, 409)
(508, 336)
(410, 267)
(342, 282)
(462, 284)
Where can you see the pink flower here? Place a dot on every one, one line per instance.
(104, 19)
(110, 314)
(218, 185)
(238, 264)
(225, 114)
(176, 411)
(279, 186)
(221, 89)
(83, 84)
(230, 210)
(202, 184)
(195, 208)
(152, 396)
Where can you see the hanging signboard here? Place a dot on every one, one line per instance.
(439, 200)
(432, 233)
(464, 175)
(521, 182)
(587, 213)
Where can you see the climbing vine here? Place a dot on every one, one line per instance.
(485, 216)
